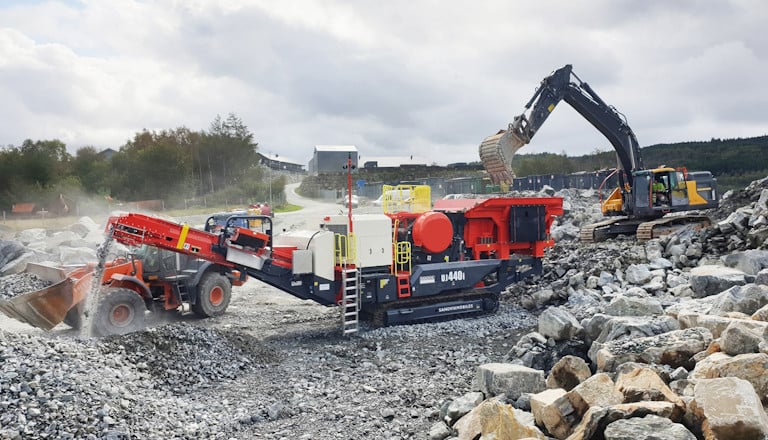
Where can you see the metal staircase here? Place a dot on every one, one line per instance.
(350, 300)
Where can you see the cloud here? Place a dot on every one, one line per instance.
(429, 79)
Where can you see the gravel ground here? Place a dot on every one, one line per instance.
(272, 367)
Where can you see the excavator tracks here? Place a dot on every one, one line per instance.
(668, 225)
(606, 229)
(643, 230)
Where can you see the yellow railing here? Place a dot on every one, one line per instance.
(406, 198)
(346, 248)
(402, 257)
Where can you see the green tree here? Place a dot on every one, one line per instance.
(92, 170)
(43, 162)
(227, 152)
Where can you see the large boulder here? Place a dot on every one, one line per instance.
(510, 379)
(19, 264)
(541, 400)
(33, 235)
(84, 225)
(728, 409)
(710, 279)
(493, 419)
(762, 277)
(559, 324)
(638, 274)
(595, 421)
(623, 305)
(57, 239)
(78, 255)
(650, 427)
(750, 262)
(605, 328)
(717, 324)
(675, 348)
(564, 413)
(461, 406)
(750, 367)
(568, 372)
(643, 384)
(740, 338)
(744, 299)
(9, 251)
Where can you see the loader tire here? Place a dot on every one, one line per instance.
(213, 295)
(118, 312)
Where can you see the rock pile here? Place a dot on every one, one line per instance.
(675, 338)
(17, 284)
(75, 245)
(121, 387)
(745, 223)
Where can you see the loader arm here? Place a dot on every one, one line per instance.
(555, 88)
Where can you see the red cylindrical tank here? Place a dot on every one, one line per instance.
(432, 231)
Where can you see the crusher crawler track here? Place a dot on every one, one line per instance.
(483, 302)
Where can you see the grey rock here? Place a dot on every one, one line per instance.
(638, 274)
(559, 324)
(462, 405)
(70, 255)
(9, 251)
(744, 299)
(650, 427)
(510, 379)
(33, 235)
(710, 280)
(762, 277)
(738, 338)
(634, 306)
(439, 431)
(675, 348)
(660, 263)
(750, 261)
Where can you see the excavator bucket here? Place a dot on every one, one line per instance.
(62, 301)
(496, 154)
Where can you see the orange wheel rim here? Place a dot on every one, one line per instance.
(121, 315)
(216, 296)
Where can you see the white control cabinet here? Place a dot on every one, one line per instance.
(373, 235)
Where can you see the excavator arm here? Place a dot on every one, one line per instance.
(496, 151)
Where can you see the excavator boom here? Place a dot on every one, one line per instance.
(496, 151)
(642, 196)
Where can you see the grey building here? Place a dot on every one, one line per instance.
(332, 158)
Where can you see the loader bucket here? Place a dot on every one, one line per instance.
(48, 307)
(496, 154)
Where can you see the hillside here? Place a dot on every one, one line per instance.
(735, 162)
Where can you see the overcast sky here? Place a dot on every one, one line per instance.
(395, 78)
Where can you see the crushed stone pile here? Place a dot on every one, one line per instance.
(18, 284)
(121, 387)
(183, 358)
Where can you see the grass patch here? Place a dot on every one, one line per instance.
(288, 208)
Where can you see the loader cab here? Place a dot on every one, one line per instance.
(159, 263)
